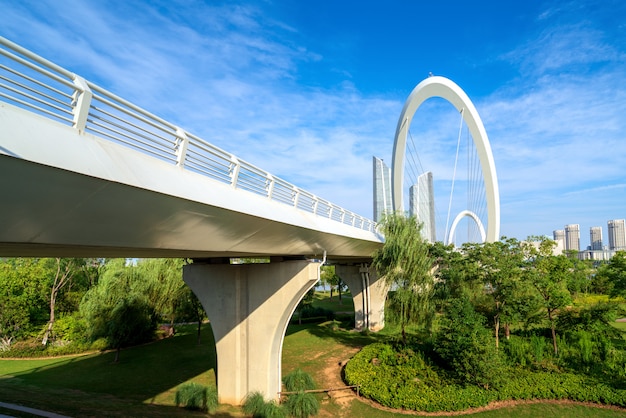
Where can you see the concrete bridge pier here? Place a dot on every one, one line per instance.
(249, 306)
(368, 293)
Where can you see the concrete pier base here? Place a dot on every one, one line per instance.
(368, 293)
(249, 306)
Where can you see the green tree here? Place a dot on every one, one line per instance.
(305, 303)
(190, 308)
(549, 275)
(165, 286)
(404, 263)
(23, 296)
(465, 344)
(117, 308)
(614, 274)
(64, 270)
(581, 273)
(499, 268)
(328, 275)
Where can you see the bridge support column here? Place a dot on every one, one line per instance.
(369, 293)
(249, 306)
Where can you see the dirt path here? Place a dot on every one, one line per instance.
(332, 379)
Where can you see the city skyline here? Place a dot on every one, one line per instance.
(615, 239)
(310, 91)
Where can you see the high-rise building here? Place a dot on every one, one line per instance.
(559, 237)
(422, 205)
(572, 237)
(382, 189)
(617, 234)
(596, 237)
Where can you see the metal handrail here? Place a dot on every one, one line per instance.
(36, 84)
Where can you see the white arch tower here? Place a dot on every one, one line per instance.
(436, 86)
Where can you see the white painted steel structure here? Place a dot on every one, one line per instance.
(53, 123)
(468, 214)
(437, 86)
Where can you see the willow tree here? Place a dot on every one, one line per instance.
(118, 307)
(405, 265)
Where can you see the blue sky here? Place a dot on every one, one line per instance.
(310, 91)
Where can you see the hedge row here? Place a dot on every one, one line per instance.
(395, 381)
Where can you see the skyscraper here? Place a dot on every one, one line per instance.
(596, 237)
(422, 205)
(617, 235)
(572, 237)
(382, 189)
(559, 237)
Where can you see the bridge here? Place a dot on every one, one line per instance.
(85, 173)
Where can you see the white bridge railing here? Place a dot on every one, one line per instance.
(34, 83)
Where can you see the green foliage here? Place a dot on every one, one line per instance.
(253, 403)
(597, 318)
(539, 347)
(497, 267)
(549, 275)
(298, 380)
(310, 311)
(518, 351)
(614, 274)
(405, 264)
(23, 296)
(117, 308)
(302, 405)
(465, 344)
(270, 410)
(164, 285)
(401, 385)
(70, 327)
(196, 397)
(256, 406)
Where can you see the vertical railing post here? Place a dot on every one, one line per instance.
(269, 188)
(234, 172)
(81, 101)
(296, 196)
(182, 141)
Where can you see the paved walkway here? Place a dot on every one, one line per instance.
(32, 411)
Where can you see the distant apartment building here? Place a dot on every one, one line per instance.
(382, 189)
(617, 234)
(422, 205)
(572, 237)
(595, 238)
(558, 235)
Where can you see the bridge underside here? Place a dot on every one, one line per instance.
(61, 213)
(72, 194)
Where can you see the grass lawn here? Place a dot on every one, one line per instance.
(144, 382)
(322, 300)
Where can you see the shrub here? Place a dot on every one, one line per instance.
(298, 380)
(270, 410)
(309, 311)
(302, 405)
(256, 406)
(518, 351)
(196, 397)
(468, 347)
(253, 403)
(400, 385)
(70, 327)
